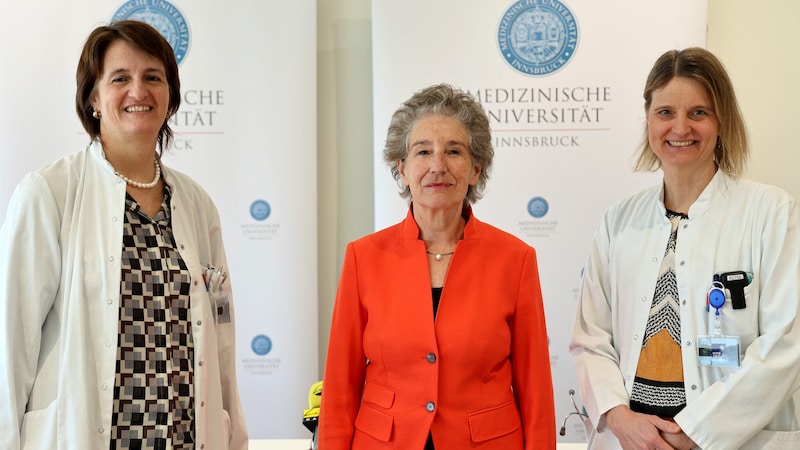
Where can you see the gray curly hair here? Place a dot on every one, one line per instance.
(445, 100)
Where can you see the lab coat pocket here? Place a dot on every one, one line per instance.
(38, 430)
(744, 322)
(774, 440)
(227, 419)
(494, 422)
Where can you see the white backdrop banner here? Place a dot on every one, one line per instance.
(246, 131)
(562, 84)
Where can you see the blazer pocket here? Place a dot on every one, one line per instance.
(494, 422)
(378, 395)
(377, 424)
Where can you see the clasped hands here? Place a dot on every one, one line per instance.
(636, 431)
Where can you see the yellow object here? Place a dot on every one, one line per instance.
(311, 415)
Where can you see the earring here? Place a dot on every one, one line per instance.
(96, 114)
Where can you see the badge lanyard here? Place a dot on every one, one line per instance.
(717, 350)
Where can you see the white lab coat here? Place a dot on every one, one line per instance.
(733, 225)
(59, 308)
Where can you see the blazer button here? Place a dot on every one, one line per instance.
(431, 358)
(430, 406)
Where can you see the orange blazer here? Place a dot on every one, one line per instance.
(477, 378)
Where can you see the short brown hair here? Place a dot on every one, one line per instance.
(90, 68)
(699, 64)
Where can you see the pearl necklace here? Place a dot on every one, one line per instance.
(438, 256)
(142, 185)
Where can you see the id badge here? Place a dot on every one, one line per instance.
(718, 351)
(223, 309)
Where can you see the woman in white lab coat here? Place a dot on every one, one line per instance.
(686, 332)
(116, 323)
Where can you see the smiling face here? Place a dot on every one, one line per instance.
(131, 94)
(438, 168)
(682, 126)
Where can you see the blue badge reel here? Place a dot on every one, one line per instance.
(716, 296)
(717, 350)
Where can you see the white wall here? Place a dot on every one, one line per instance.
(344, 131)
(758, 42)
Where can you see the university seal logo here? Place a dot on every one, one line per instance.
(538, 207)
(260, 210)
(164, 17)
(261, 345)
(537, 37)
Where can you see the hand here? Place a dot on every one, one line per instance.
(636, 431)
(679, 440)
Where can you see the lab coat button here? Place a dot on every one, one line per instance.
(199, 322)
(694, 387)
(104, 387)
(110, 259)
(431, 358)
(108, 301)
(688, 343)
(101, 430)
(430, 406)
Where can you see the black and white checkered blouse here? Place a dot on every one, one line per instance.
(154, 383)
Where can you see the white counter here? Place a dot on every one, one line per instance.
(305, 444)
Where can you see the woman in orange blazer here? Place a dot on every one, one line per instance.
(438, 335)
